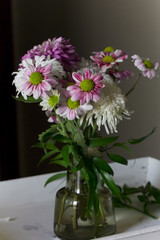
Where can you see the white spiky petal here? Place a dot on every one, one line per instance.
(109, 110)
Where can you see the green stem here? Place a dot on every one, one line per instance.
(141, 211)
(94, 129)
(101, 211)
(96, 225)
(99, 216)
(75, 224)
(134, 85)
(84, 125)
(61, 210)
(62, 126)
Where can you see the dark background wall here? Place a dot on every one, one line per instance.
(91, 25)
(8, 139)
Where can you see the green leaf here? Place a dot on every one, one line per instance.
(45, 136)
(138, 140)
(141, 198)
(85, 176)
(92, 185)
(117, 158)
(29, 99)
(102, 165)
(55, 177)
(57, 157)
(51, 146)
(70, 126)
(122, 145)
(60, 138)
(75, 154)
(77, 134)
(38, 145)
(79, 138)
(117, 203)
(97, 142)
(59, 162)
(47, 155)
(110, 183)
(65, 154)
(156, 194)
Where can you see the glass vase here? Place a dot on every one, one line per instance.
(70, 219)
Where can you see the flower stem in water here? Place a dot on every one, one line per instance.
(61, 210)
(75, 224)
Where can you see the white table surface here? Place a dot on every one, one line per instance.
(27, 208)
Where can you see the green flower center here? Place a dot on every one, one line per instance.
(73, 104)
(148, 64)
(108, 59)
(53, 100)
(109, 49)
(36, 78)
(87, 85)
(69, 84)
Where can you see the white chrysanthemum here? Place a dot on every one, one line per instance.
(85, 63)
(109, 110)
(50, 100)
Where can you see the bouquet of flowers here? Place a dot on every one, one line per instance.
(80, 98)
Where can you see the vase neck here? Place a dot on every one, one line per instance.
(75, 182)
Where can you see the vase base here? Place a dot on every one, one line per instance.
(66, 232)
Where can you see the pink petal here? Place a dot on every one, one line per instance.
(150, 74)
(61, 110)
(51, 81)
(88, 74)
(77, 96)
(25, 86)
(29, 90)
(71, 114)
(75, 92)
(88, 97)
(77, 77)
(72, 87)
(156, 65)
(45, 86)
(36, 92)
(47, 69)
(96, 97)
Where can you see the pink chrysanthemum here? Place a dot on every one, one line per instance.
(147, 68)
(87, 86)
(37, 76)
(120, 75)
(73, 109)
(58, 48)
(107, 59)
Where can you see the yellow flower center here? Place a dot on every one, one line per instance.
(148, 64)
(108, 59)
(53, 100)
(36, 78)
(109, 49)
(73, 104)
(87, 85)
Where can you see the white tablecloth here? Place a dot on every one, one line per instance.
(27, 208)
